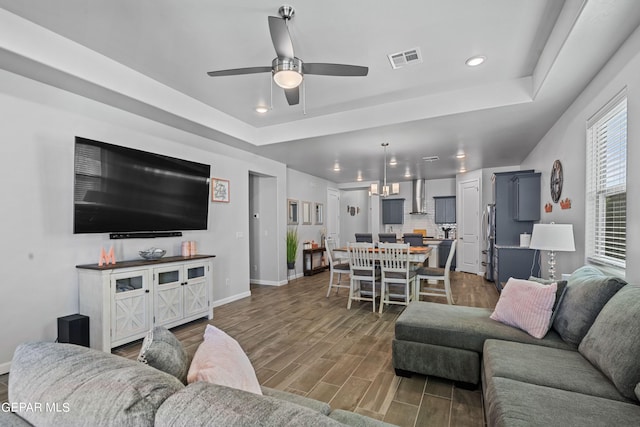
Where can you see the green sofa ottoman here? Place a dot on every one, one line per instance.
(446, 341)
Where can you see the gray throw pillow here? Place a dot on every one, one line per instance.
(162, 350)
(87, 386)
(613, 342)
(561, 287)
(587, 291)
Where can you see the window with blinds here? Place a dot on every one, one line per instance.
(606, 198)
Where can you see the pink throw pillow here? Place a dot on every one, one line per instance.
(526, 305)
(220, 360)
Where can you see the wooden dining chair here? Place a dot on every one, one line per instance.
(439, 274)
(364, 276)
(397, 285)
(339, 266)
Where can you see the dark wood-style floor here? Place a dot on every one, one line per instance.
(302, 342)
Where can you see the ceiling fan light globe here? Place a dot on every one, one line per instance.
(287, 79)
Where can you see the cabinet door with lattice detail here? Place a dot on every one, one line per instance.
(196, 289)
(131, 306)
(168, 294)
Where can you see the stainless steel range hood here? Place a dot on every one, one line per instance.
(419, 199)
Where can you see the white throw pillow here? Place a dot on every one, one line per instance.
(526, 305)
(220, 360)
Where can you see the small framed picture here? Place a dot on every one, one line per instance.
(219, 190)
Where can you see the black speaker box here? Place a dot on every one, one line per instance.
(74, 329)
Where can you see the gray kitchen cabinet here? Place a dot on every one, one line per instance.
(392, 211)
(526, 197)
(443, 254)
(516, 262)
(445, 209)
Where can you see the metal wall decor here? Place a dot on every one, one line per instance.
(556, 180)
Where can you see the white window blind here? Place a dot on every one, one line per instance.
(606, 198)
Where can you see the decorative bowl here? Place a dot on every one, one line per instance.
(152, 253)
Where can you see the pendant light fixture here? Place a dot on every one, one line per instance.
(387, 190)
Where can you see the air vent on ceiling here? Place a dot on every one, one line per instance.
(431, 158)
(402, 59)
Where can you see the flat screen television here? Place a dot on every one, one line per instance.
(119, 189)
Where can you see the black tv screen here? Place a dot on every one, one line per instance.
(119, 189)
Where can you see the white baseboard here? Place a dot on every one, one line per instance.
(276, 283)
(4, 367)
(231, 299)
(268, 282)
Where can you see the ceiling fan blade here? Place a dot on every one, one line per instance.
(293, 95)
(335, 70)
(238, 71)
(280, 37)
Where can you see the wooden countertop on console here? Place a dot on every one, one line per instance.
(143, 262)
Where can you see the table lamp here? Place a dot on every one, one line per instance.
(552, 237)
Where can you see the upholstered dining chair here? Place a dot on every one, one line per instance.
(364, 276)
(387, 238)
(339, 266)
(439, 274)
(364, 237)
(397, 286)
(414, 239)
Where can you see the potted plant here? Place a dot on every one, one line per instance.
(292, 247)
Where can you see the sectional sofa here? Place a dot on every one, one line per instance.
(584, 371)
(54, 384)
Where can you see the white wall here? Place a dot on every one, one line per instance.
(307, 188)
(566, 142)
(39, 251)
(263, 222)
(354, 202)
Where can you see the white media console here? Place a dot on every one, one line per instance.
(125, 300)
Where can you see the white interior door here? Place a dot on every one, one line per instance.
(333, 214)
(469, 226)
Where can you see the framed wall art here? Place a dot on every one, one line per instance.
(220, 190)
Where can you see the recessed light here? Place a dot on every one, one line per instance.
(359, 178)
(407, 174)
(336, 167)
(261, 109)
(474, 61)
(462, 170)
(430, 158)
(393, 162)
(460, 156)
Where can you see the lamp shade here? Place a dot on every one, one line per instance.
(552, 237)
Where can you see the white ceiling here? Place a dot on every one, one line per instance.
(540, 55)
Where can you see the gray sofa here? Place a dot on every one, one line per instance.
(54, 384)
(585, 371)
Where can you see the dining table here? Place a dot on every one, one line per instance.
(417, 254)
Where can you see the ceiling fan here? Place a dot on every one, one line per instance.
(287, 69)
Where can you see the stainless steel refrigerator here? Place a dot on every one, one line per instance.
(489, 228)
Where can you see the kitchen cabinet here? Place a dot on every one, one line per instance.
(443, 254)
(392, 211)
(516, 262)
(445, 210)
(507, 229)
(526, 197)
